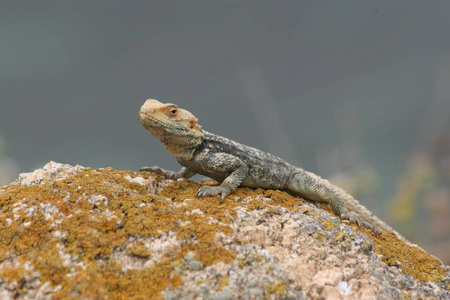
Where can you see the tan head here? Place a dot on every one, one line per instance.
(176, 128)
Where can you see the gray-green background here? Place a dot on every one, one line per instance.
(331, 86)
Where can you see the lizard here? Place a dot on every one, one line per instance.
(236, 165)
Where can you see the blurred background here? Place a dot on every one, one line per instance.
(355, 91)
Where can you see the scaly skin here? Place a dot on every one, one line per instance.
(234, 164)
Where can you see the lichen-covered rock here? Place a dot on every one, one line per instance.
(78, 233)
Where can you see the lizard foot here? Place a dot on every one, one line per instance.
(354, 218)
(156, 170)
(213, 191)
(151, 169)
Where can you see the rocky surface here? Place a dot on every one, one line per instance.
(79, 233)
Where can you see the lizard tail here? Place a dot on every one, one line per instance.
(313, 187)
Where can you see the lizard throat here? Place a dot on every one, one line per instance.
(181, 146)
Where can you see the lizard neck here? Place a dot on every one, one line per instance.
(181, 146)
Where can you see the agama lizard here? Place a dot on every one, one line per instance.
(234, 164)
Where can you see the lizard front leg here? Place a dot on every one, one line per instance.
(183, 173)
(223, 163)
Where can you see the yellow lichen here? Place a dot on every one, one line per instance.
(414, 261)
(138, 249)
(108, 280)
(199, 282)
(89, 236)
(50, 265)
(277, 288)
(89, 233)
(281, 198)
(223, 282)
(256, 204)
(328, 224)
(242, 263)
(321, 238)
(13, 274)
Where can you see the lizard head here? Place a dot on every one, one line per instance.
(176, 128)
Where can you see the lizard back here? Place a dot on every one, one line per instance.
(265, 170)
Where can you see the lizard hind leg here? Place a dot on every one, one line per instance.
(312, 187)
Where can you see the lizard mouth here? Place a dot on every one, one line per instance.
(142, 116)
(146, 119)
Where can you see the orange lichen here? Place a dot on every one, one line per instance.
(89, 231)
(281, 198)
(278, 288)
(13, 274)
(98, 211)
(17, 275)
(256, 204)
(108, 280)
(50, 265)
(139, 250)
(223, 282)
(328, 224)
(414, 261)
(91, 235)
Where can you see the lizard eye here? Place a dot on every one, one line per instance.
(191, 124)
(173, 111)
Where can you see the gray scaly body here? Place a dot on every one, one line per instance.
(234, 164)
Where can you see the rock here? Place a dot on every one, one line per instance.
(78, 232)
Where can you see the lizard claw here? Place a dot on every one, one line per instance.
(156, 170)
(146, 169)
(213, 191)
(354, 218)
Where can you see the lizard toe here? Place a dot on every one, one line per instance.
(155, 170)
(145, 169)
(354, 218)
(213, 191)
(201, 194)
(223, 195)
(207, 191)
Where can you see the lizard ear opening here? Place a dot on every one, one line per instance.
(193, 124)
